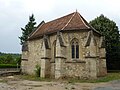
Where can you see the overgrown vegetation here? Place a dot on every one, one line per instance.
(37, 70)
(9, 66)
(109, 77)
(8, 60)
(29, 27)
(109, 29)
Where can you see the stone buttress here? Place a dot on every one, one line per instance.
(60, 57)
(96, 64)
(45, 59)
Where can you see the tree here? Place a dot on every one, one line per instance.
(18, 60)
(2, 60)
(9, 59)
(109, 29)
(28, 29)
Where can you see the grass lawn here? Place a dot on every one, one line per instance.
(109, 77)
(33, 78)
(8, 66)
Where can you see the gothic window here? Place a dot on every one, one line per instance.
(75, 49)
(54, 49)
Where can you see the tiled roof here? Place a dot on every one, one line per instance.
(73, 21)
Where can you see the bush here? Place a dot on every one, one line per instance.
(8, 66)
(37, 70)
(18, 60)
(9, 58)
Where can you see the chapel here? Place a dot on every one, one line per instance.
(65, 47)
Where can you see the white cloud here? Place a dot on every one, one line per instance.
(14, 15)
(38, 5)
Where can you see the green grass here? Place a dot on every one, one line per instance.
(3, 81)
(8, 66)
(33, 78)
(107, 78)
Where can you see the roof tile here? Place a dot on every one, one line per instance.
(73, 21)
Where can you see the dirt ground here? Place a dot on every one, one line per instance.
(14, 83)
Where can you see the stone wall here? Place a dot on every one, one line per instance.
(34, 56)
(68, 37)
(82, 68)
(75, 70)
(24, 62)
(52, 70)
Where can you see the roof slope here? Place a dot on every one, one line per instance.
(73, 21)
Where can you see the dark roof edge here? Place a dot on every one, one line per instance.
(83, 20)
(89, 25)
(43, 22)
(55, 32)
(95, 30)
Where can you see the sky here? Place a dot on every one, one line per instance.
(14, 15)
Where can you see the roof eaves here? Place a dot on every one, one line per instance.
(83, 20)
(88, 26)
(95, 30)
(39, 26)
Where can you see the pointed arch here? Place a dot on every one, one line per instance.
(75, 48)
(90, 37)
(54, 50)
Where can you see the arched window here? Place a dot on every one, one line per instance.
(54, 50)
(75, 49)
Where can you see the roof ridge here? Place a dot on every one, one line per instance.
(83, 20)
(72, 21)
(59, 17)
(69, 21)
(88, 24)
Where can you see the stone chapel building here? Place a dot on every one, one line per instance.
(65, 47)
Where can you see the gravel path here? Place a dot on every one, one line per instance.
(13, 83)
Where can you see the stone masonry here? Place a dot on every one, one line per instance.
(50, 47)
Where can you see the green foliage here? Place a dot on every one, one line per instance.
(37, 70)
(18, 60)
(109, 29)
(107, 78)
(10, 58)
(8, 66)
(28, 29)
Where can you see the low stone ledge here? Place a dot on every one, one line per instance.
(91, 56)
(75, 61)
(45, 58)
(102, 57)
(24, 59)
(60, 57)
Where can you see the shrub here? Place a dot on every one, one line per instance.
(37, 70)
(8, 66)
